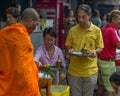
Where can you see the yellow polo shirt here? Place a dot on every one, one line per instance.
(92, 38)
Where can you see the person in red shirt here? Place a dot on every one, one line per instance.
(106, 58)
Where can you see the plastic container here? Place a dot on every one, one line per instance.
(58, 90)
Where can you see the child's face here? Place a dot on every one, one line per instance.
(115, 86)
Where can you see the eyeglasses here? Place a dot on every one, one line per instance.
(49, 40)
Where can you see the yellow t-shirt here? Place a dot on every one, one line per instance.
(77, 38)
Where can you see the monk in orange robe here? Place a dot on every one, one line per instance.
(18, 71)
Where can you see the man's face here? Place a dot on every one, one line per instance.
(31, 25)
(83, 18)
(116, 21)
(115, 86)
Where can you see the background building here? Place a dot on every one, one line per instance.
(56, 10)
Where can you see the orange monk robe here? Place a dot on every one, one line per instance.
(18, 72)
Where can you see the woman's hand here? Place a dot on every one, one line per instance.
(39, 64)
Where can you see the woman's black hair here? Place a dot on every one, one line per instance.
(49, 31)
(115, 77)
(95, 13)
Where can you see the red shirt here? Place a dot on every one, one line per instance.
(110, 38)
